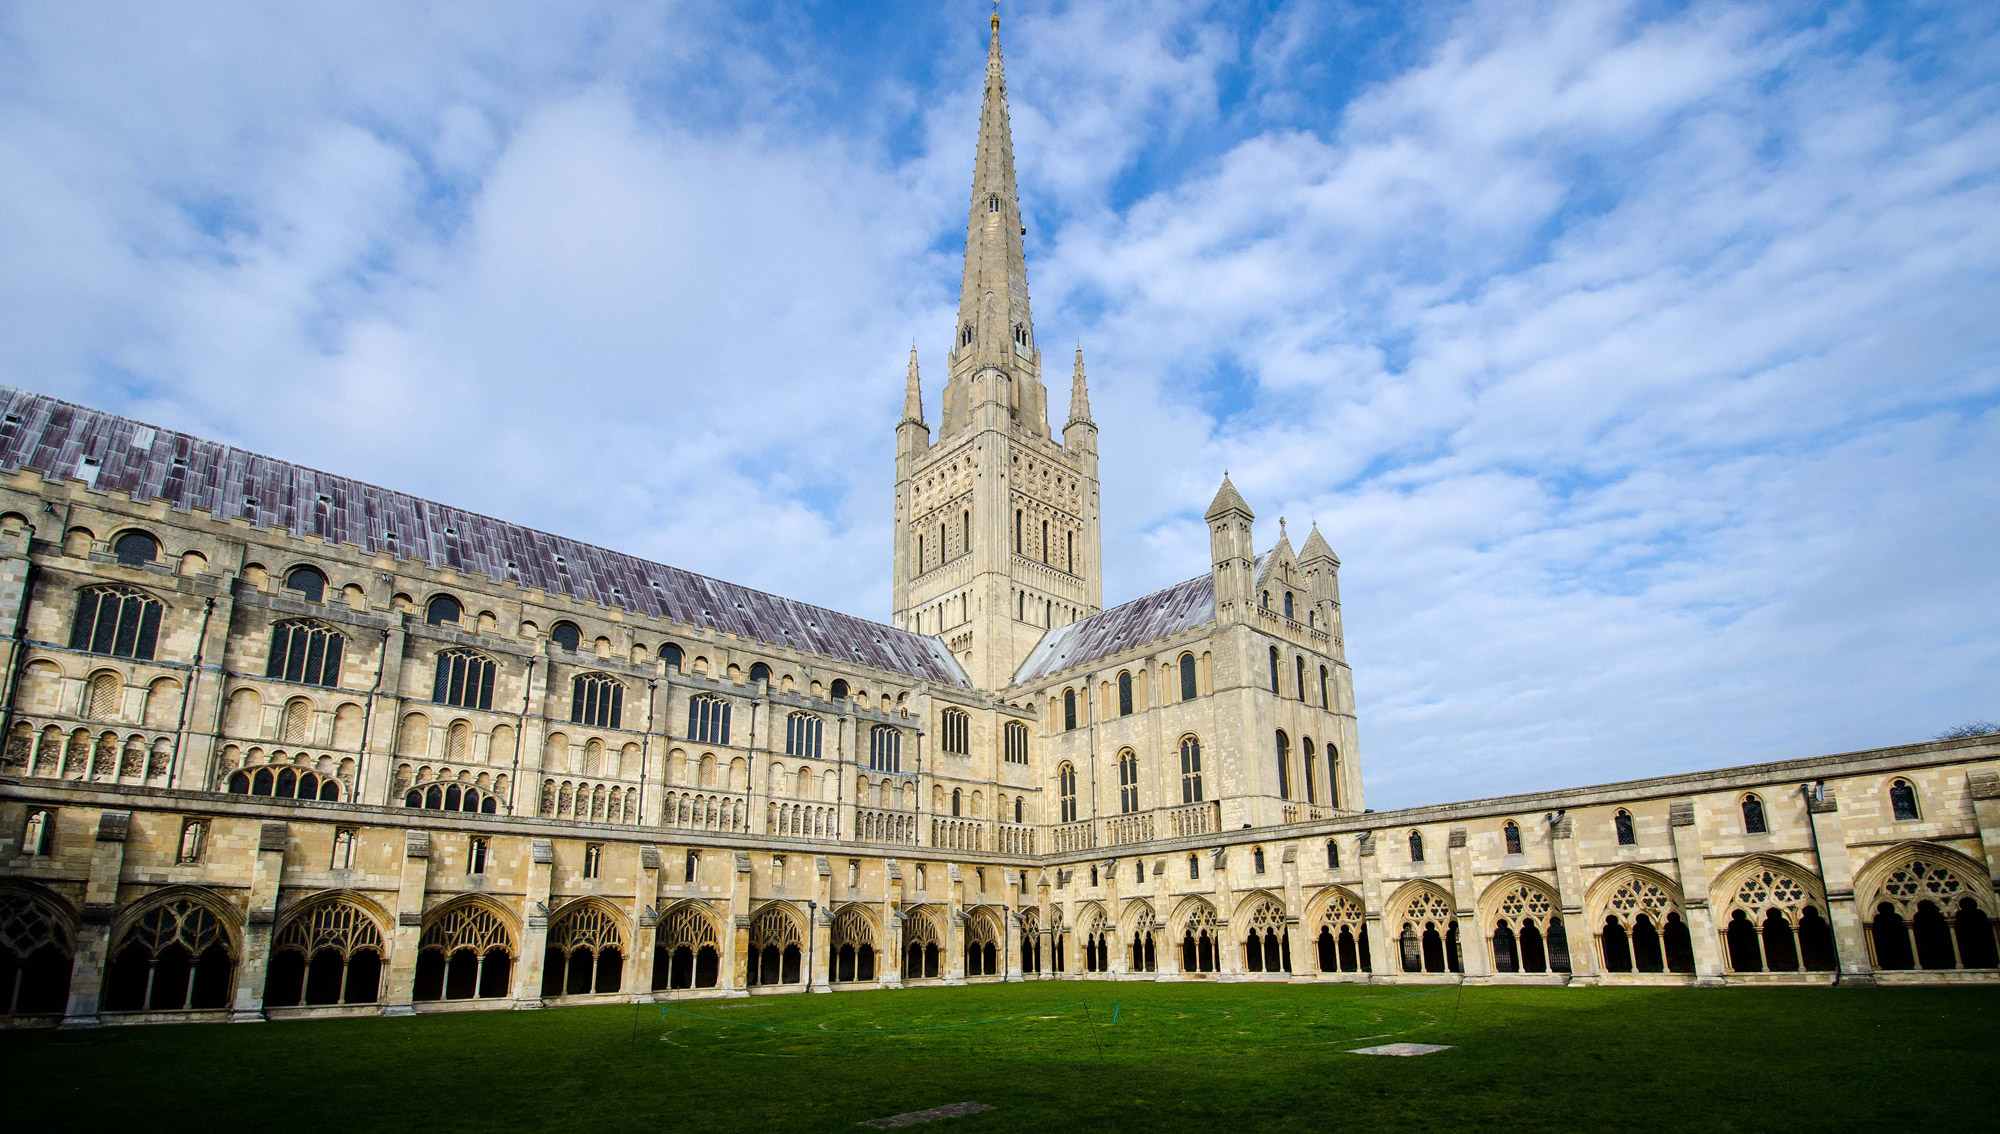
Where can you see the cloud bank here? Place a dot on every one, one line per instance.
(1639, 361)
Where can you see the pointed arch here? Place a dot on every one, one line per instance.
(687, 946)
(175, 948)
(329, 948)
(585, 950)
(38, 937)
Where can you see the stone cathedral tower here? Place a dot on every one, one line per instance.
(996, 520)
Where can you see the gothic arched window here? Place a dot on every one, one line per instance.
(119, 622)
(1416, 846)
(1288, 604)
(1069, 710)
(1753, 815)
(955, 735)
(1017, 742)
(328, 954)
(307, 582)
(1622, 824)
(306, 652)
(708, 719)
(1274, 669)
(802, 735)
(464, 679)
(1190, 770)
(1125, 694)
(885, 749)
(1324, 703)
(1512, 834)
(175, 956)
(1128, 781)
(1066, 791)
(1187, 677)
(1903, 800)
(597, 700)
(1284, 765)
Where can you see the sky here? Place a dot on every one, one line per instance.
(1641, 361)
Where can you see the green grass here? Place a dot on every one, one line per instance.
(1072, 1055)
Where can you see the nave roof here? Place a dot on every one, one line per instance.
(63, 441)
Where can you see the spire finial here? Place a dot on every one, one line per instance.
(1079, 393)
(913, 398)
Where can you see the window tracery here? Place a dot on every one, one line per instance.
(774, 946)
(36, 952)
(685, 952)
(1926, 916)
(585, 952)
(597, 700)
(178, 954)
(1268, 947)
(1200, 941)
(1145, 927)
(119, 622)
(921, 944)
(1429, 937)
(1774, 924)
(984, 945)
(1343, 936)
(329, 953)
(466, 953)
(464, 679)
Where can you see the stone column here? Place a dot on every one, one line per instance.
(1692, 867)
(889, 966)
(1475, 946)
(1385, 959)
(1836, 874)
(645, 926)
(248, 1005)
(400, 982)
(100, 903)
(952, 968)
(822, 934)
(1569, 895)
(1305, 953)
(735, 974)
(535, 926)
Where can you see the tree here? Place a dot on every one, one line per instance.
(1969, 728)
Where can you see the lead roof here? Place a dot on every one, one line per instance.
(1149, 618)
(60, 440)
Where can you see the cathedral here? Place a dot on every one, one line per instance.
(281, 744)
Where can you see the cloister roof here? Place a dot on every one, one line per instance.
(1148, 618)
(61, 440)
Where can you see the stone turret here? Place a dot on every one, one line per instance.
(1081, 432)
(1231, 552)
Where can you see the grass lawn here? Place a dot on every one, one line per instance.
(1130, 1056)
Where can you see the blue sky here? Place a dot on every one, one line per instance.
(1641, 361)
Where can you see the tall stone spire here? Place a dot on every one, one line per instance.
(1079, 394)
(913, 396)
(996, 331)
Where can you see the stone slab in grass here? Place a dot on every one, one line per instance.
(1402, 1049)
(953, 1110)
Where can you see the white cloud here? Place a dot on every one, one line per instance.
(1639, 363)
